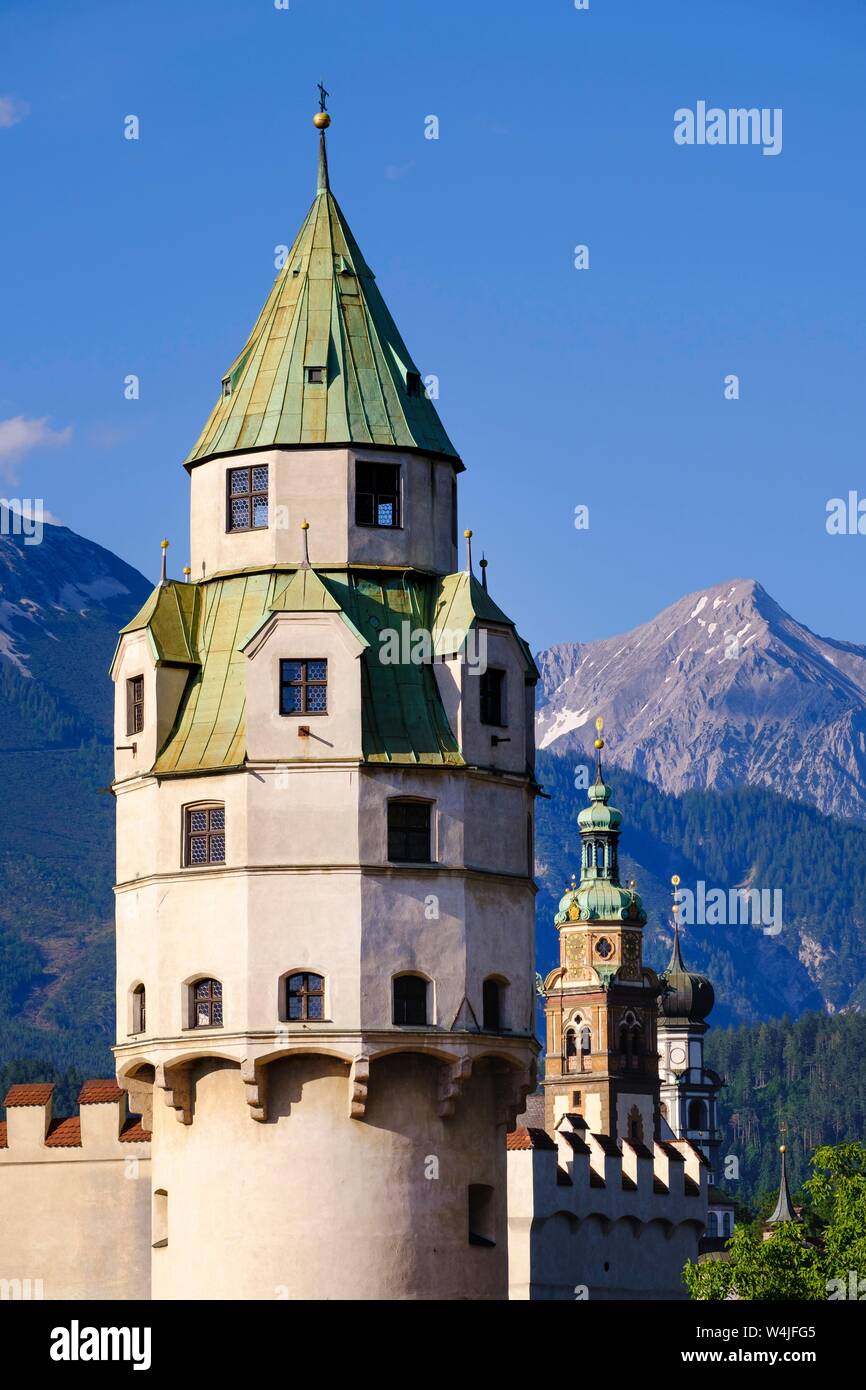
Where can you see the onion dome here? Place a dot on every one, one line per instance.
(599, 896)
(686, 996)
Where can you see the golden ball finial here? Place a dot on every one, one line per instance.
(163, 545)
(321, 120)
(783, 1148)
(305, 526)
(675, 880)
(468, 535)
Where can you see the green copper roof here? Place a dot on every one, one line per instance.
(324, 311)
(403, 720)
(600, 897)
(168, 616)
(461, 603)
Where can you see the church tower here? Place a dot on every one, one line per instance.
(602, 1057)
(324, 789)
(689, 1089)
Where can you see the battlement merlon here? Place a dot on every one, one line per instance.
(103, 1127)
(587, 1174)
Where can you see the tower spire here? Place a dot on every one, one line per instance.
(599, 744)
(784, 1208)
(321, 121)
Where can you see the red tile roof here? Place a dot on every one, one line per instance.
(3, 1143)
(64, 1134)
(132, 1133)
(27, 1093)
(98, 1091)
(532, 1138)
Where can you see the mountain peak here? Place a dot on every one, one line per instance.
(722, 688)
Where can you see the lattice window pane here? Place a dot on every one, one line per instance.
(292, 670)
(314, 1006)
(260, 511)
(317, 698)
(240, 480)
(202, 1015)
(218, 849)
(385, 513)
(198, 820)
(260, 479)
(217, 1012)
(240, 514)
(216, 989)
(218, 818)
(296, 1007)
(198, 850)
(292, 699)
(202, 989)
(317, 670)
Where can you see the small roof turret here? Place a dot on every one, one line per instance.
(686, 996)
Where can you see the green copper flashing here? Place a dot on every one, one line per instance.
(325, 363)
(168, 617)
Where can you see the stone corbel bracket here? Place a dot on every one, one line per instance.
(176, 1086)
(254, 1077)
(359, 1081)
(454, 1077)
(512, 1089)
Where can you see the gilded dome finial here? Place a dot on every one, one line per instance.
(321, 121)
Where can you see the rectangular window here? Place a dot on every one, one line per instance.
(409, 832)
(248, 498)
(377, 494)
(135, 705)
(492, 690)
(304, 687)
(315, 376)
(205, 835)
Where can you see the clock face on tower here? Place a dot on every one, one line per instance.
(678, 1056)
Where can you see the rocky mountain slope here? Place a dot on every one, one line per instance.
(723, 688)
(61, 604)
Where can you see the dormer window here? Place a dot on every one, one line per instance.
(135, 705)
(377, 494)
(315, 376)
(248, 498)
(227, 387)
(492, 683)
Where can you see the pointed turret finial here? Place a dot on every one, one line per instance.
(784, 1208)
(305, 563)
(163, 577)
(676, 963)
(482, 565)
(321, 121)
(599, 744)
(468, 535)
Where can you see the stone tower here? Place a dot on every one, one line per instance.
(324, 788)
(602, 1056)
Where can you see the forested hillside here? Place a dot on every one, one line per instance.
(808, 1073)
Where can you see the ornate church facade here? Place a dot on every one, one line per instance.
(325, 787)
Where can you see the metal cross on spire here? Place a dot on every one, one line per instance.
(322, 97)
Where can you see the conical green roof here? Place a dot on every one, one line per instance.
(324, 312)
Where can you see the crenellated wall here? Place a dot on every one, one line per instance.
(74, 1197)
(588, 1219)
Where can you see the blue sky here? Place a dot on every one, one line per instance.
(560, 387)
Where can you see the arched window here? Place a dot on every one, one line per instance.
(305, 997)
(410, 1000)
(697, 1114)
(586, 1040)
(635, 1126)
(712, 1224)
(207, 1004)
(139, 1012)
(491, 998)
(204, 835)
(570, 1043)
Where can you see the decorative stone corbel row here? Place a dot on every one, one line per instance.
(359, 1081)
(453, 1078)
(175, 1085)
(254, 1077)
